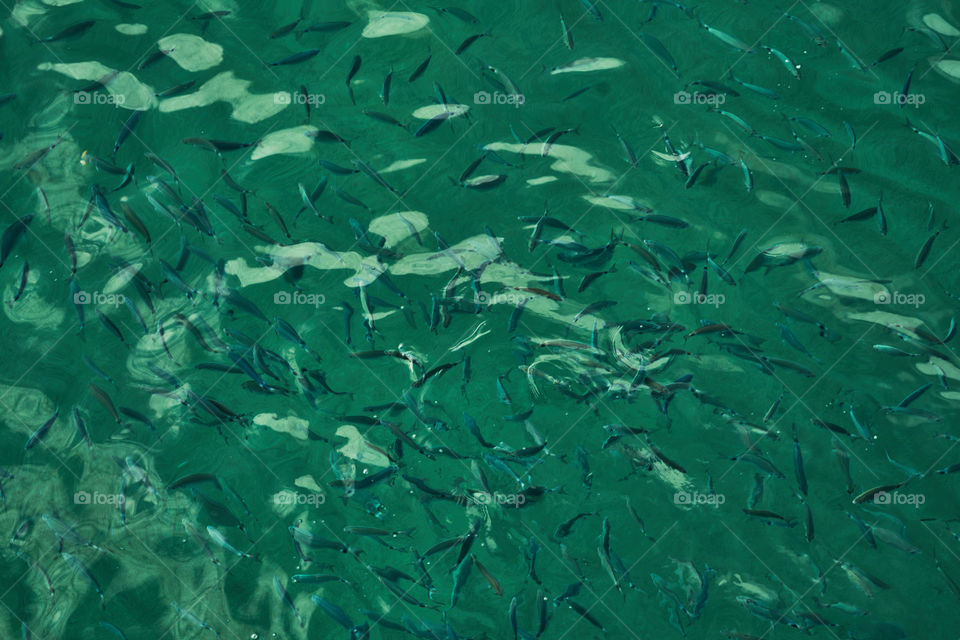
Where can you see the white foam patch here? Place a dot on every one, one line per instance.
(292, 425)
(135, 95)
(311, 254)
(247, 107)
(568, 159)
(613, 201)
(286, 141)
(893, 321)
(535, 182)
(131, 29)
(949, 369)
(936, 22)
(308, 482)
(776, 200)
(586, 65)
(393, 23)
(949, 67)
(23, 12)
(396, 230)
(191, 52)
(357, 449)
(122, 278)
(849, 287)
(400, 165)
(472, 251)
(433, 110)
(32, 310)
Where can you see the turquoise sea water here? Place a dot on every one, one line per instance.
(643, 292)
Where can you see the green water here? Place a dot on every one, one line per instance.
(448, 274)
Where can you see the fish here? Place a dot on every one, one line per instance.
(285, 597)
(127, 129)
(421, 68)
(12, 235)
(67, 33)
(658, 49)
(81, 569)
(41, 431)
(354, 68)
(296, 58)
(217, 536)
(790, 65)
(727, 39)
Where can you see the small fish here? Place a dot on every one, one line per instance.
(104, 399)
(658, 49)
(791, 66)
(73, 31)
(42, 431)
(590, 278)
(728, 39)
(217, 536)
(595, 306)
(24, 275)
(419, 70)
(81, 569)
(432, 123)
(354, 68)
(336, 613)
(385, 88)
(592, 9)
(469, 41)
(126, 129)
(296, 58)
(566, 33)
(283, 595)
(925, 251)
(12, 235)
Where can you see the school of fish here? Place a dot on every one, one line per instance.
(626, 320)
